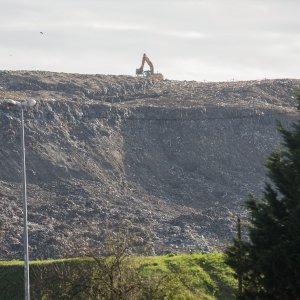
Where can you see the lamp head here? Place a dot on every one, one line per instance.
(28, 103)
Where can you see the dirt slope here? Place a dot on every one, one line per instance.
(174, 157)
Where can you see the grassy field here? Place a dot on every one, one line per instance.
(194, 276)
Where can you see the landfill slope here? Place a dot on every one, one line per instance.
(176, 158)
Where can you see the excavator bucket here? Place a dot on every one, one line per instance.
(139, 71)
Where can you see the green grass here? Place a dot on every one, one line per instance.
(181, 277)
(195, 276)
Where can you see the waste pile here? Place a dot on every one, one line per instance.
(175, 158)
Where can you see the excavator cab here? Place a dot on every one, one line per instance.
(148, 73)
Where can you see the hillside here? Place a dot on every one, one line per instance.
(174, 157)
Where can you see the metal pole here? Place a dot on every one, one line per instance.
(24, 196)
(240, 275)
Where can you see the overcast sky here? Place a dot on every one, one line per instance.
(213, 40)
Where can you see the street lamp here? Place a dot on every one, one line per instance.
(22, 105)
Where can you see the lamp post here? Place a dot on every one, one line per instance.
(22, 105)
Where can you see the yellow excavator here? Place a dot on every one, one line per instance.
(148, 73)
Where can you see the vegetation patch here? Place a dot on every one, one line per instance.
(195, 276)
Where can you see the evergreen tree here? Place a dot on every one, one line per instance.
(269, 262)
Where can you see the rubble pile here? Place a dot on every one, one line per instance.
(176, 158)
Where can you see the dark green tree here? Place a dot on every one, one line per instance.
(269, 262)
